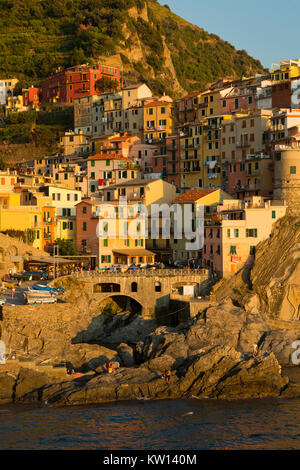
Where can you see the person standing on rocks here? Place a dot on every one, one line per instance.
(167, 376)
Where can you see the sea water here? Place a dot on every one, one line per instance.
(154, 425)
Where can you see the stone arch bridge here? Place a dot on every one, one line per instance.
(151, 290)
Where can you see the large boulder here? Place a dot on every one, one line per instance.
(7, 383)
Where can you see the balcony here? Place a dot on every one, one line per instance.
(253, 172)
(243, 144)
(47, 236)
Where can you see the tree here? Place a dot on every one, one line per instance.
(65, 247)
(105, 84)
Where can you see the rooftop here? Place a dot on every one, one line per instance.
(194, 195)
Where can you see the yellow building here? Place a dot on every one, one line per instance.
(8, 179)
(200, 153)
(20, 212)
(285, 71)
(14, 104)
(64, 201)
(104, 170)
(120, 220)
(158, 120)
(243, 226)
(73, 143)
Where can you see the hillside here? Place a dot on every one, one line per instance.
(145, 39)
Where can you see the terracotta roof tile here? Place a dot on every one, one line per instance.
(113, 156)
(193, 195)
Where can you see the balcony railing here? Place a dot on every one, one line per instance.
(243, 144)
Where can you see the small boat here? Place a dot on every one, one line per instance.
(41, 299)
(2, 301)
(41, 287)
(40, 293)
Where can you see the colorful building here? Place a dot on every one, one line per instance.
(121, 216)
(230, 242)
(31, 98)
(106, 170)
(29, 211)
(7, 86)
(77, 82)
(158, 120)
(197, 205)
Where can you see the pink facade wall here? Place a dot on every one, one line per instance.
(89, 234)
(243, 103)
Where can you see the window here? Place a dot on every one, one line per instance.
(292, 170)
(233, 250)
(273, 214)
(251, 232)
(224, 103)
(84, 210)
(105, 242)
(134, 287)
(157, 287)
(232, 232)
(252, 250)
(107, 162)
(92, 175)
(84, 226)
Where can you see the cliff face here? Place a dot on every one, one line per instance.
(147, 40)
(272, 287)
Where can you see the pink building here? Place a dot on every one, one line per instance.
(87, 241)
(143, 154)
(239, 98)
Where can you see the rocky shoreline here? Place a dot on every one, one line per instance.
(210, 356)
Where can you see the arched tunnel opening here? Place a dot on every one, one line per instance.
(107, 287)
(121, 304)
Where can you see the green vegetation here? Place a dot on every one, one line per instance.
(106, 84)
(30, 236)
(19, 234)
(65, 247)
(41, 128)
(37, 36)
